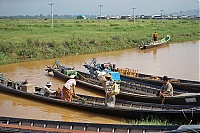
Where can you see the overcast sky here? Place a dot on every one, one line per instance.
(90, 7)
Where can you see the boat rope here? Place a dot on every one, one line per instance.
(190, 121)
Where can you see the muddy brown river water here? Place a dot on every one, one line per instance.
(178, 60)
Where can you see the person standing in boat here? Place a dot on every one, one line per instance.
(46, 91)
(155, 36)
(69, 86)
(107, 83)
(166, 89)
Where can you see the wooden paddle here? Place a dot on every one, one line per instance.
(53, 64)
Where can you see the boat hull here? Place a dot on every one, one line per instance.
(156, 44)
(126, 93)
(131, 75)
(186, 85)
(61, 126)
(123, 109)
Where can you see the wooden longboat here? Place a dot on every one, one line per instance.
(186, 129)
(155, 44)
(122, 108)
(179, 84)
(33, 125)
(131, 75)
(133, 92)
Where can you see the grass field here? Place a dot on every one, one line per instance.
(34, 39)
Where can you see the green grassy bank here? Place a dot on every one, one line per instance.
(33, 39)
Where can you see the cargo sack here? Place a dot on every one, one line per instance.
(101, 77)
(115, 89)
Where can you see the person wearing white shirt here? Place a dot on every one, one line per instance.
(45, 91)
(69, 86)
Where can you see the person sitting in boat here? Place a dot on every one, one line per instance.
(69, 86)
(166, 89)
(167, 37)
(46, 91)
(107, 83)
(155, 36)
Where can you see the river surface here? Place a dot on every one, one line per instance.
(178, 60)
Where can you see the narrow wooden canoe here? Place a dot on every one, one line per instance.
(131, 75)
(133, 91)
(186, 85)
(155, 44)
(126, 109)
(9, 124)
(186, 129)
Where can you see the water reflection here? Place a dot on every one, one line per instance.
(153, 52)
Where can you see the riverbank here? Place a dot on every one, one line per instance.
(33, 39)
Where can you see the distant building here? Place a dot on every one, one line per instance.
(144, 17)
(185, 17)
(102, 17)
(198, 17)
(174, 17)
(126, 17)
(156, 17)
(168, 17)
(113, 17)
(81, 16)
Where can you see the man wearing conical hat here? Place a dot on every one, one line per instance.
(107, 83)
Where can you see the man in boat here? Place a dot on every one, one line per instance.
(46, 91)
(107, 83)
(69, 86)
(166, 89)
(155, 36)
(167, 38)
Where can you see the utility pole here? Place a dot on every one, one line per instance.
(197, 17)
(51, 4)
(100, 15)
(133, 16)
(181, 15)
(161, 15)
